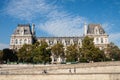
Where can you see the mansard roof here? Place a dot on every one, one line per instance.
(25, 28)
(91, 29)
(60, 38)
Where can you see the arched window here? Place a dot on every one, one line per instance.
(20, 41)
(29, 41)
(25, 41)
(16, 41)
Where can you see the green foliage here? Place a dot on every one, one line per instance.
(36, 53)
(72, 54)
(41, 53)
(114, 52)
(24, 53)
(58, 50)
(9, 55)
(89, 52)
(1, 54)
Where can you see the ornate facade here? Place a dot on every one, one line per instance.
(22, 35)
(25, 34)
(96, 32)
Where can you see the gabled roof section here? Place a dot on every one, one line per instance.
(92, 28)
(23, 29)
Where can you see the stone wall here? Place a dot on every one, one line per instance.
(82, 71)
(62, 77)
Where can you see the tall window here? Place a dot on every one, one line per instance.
(20, 41)
(97, 40)
(67, 42)
(29, 42)
(101, 40)
(16, 41)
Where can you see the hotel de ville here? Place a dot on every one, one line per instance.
(25, 34)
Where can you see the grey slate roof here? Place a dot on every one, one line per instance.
(26, 28)
(91, 29)
(60, 38)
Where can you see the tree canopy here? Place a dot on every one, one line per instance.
(72, 54)
(113, 52)
(89, 52)
(58, 50)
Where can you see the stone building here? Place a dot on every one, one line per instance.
(22, 35)
(96, 32)
(66, 41)
(25, 35)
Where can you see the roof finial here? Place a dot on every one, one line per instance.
(85, 28)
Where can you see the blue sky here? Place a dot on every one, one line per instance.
(59, 17)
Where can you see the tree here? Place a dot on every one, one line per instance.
(1, 54)
(89, 52)
(24, 53)
(72, 54)
(58, 51)
(9, 55)
(41, 54)
(113, 52)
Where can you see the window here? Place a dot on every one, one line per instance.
(96, 31)
(22, 32)
(67, 42)
(25, 31)
(18, 31)
(101, 40)
(51, 42)
(16, 41)
(97, 40)
(101, 32)
(25, 41)
(20, 41)
(29, 41)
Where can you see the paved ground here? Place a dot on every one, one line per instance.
(62, 69)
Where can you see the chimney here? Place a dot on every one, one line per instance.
(33, 27)
(85, 29)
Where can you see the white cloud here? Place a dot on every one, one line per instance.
(63, 24)
(2, 46)
(27, 9)
(58, 23)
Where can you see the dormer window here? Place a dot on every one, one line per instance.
(17, 31)
(101, 31)
(96, 30)
(25, 31)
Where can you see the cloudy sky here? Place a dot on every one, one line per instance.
(59, 17)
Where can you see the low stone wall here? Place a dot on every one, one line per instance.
(83, 71)
(62, 77)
